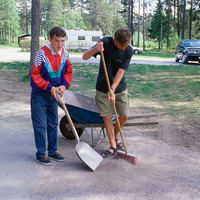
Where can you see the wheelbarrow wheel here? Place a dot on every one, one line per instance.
(66, 130)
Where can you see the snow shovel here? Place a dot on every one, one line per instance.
(120, 154)
(90, 157)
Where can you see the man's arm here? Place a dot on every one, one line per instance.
(117, 79)
(89, 53)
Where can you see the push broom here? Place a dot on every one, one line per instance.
(120, 154)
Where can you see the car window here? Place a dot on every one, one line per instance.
(196, 43)
(188, 44)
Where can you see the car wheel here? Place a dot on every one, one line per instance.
(184, 59)
(176, 59)
(136, 51)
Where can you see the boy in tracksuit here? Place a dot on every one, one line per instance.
(51, 72)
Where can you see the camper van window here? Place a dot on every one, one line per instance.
(81, 37)
(95, 38)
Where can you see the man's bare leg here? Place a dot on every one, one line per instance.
(122, 121)
(110, 131)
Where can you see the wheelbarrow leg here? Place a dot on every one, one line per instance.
(91, 136)
(104, 135)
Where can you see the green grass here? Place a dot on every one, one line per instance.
(9, 45)
(156, 53)
(21, 68)
(171, 89)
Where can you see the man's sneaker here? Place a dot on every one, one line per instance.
(57, 157)
(43, 160)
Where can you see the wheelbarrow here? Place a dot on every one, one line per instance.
(85, 114)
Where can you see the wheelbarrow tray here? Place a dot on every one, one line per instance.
(82, 108)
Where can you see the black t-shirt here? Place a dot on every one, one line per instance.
(114, 59)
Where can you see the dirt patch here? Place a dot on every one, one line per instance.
(181, 132)
(11, 89)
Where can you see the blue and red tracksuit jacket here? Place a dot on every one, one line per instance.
(50, 70)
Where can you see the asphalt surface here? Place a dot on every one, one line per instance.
(164, 171)
(15, 54)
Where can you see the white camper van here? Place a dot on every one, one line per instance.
(81, 40)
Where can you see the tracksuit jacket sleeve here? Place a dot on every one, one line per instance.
(37, 81)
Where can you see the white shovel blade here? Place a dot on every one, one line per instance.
(88, 155)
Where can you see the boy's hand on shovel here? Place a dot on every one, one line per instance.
(53, 92)
(60, 90)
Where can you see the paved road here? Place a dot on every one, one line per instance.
(15, 54)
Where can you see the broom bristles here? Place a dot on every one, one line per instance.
(126, 156)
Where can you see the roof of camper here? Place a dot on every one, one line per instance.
(78, 32)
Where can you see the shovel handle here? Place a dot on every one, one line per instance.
(114, 107)
(61, 100)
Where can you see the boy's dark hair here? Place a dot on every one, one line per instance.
(123, 36)
(58, 31)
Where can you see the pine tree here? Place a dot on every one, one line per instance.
(156, 30)
(9, 21)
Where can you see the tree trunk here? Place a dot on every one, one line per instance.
(161, 35)
(26, 16)
(183, 21)
(129, 14)
(35, 29)
(132, 20)
(138, 23)
(190, 28)
(168, 25)
(143, 29)
(178, 18)
(174, 15)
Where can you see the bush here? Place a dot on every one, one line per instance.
(3, 40)
(26, 44)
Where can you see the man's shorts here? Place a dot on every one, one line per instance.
(105, 106)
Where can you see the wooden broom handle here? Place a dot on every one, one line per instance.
(110, 91)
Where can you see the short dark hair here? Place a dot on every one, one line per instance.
(58, 31)
(123, 36)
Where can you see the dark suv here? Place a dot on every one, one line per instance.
(188, 50)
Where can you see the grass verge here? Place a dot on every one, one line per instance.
(156, 53)
(21, 68)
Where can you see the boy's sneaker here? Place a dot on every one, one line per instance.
(57, 157)
(43, 160)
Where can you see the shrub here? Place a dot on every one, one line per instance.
(3, 40)
(26, 44)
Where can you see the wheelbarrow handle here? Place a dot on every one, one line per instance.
(61, 100)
